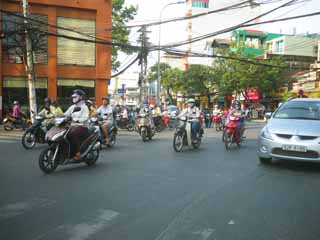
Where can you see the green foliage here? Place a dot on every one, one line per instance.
(120, 16)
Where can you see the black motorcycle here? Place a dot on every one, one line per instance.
(159, 123)
(125, 123)
(60, 151)
(35, 134)
(96, 122)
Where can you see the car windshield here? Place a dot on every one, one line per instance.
(172, 108)
(299, 110)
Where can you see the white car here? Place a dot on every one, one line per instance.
(293, 132)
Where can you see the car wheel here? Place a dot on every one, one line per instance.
(265, 160)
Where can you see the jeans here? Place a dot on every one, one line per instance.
(194, 129)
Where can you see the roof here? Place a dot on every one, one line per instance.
(305, 100)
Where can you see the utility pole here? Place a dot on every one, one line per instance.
(143, 39)
(29, 65)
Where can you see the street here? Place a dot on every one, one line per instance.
(147, 191)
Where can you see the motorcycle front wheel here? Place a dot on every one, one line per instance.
(93, 157)
(144, 135)
(46, 162)
(178, 142)
(196, 144)
(28, 140)
(113, 139)
(228, 141)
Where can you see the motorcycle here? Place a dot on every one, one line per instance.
(183, 137)
(60, 151)
(10, 122)
(218, 123)
(159, 123)
(232, 134)
(208, 120)
(145, 127)
(125, 123)
(96, 122)
(35, 134)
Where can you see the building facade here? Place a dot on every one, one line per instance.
(61, 63)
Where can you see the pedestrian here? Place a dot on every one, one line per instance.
(17, 114)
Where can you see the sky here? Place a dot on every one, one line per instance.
(149, 10)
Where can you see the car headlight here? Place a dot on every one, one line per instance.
(266, 134)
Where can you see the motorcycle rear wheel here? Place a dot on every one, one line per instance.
(144, 135)
(46, 163)
(178, 142)
(28, 140)
(113, 140)
(196, 144)
(8, 126)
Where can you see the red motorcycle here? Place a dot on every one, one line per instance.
(232, 135)
(217, 120)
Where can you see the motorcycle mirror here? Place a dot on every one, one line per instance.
(76, 109)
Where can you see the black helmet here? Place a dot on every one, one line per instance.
(47, 100)
(106, 98)
(236, 104)
(79, 92)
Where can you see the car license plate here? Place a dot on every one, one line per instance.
(295, 148)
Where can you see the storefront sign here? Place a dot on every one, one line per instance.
(253, 93)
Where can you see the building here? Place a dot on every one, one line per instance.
(62, 64)
(124, 89)
(252, 42)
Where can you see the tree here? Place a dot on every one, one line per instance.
(200, 79)
(120, 16)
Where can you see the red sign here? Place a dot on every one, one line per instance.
(253, 93)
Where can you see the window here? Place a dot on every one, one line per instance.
(13, 46)
(16, 88)
(280, 46)
(74, 52)
(66, 86)
(200, 3)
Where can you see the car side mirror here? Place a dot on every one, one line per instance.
(268, 115)
(76, 109)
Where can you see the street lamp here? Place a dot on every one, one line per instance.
(159, 41)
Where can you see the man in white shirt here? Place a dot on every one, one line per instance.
(105, 111)
(193, 113)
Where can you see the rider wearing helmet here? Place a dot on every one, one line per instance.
(237, 111)
(48, 113)
(78, 130)
(193, 113)
(105, 112)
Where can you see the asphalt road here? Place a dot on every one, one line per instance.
(147, 191)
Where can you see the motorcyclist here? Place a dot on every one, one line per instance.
(238, 112)
(216, 110)
(193, 113)
(57, 111)
(78, 130)
(48, 112)
(105, 112)
(157, 115)
(92, 109)
(17, 114)
(147, 110)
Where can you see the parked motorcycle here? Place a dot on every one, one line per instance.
(60, 151)
(232, 135)
(35, 134)
(145, 127)
(96, 122)
(10, 122)
(183, 137)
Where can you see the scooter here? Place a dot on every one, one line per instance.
(145, 127)
(35, 134)
(60, 150)
(10, 122)
(232, 134)
(96, 122)
(183, 137)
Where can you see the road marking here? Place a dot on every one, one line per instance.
(204, 234)
(83, 230)
(18, 208)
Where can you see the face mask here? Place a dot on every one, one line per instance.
(75, 98)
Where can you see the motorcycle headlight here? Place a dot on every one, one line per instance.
(266, 134)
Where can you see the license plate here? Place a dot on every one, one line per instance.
(295, 148)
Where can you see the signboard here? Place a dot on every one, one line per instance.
(121, 91)
(253, 93)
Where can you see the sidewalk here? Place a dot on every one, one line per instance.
(10, 135)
